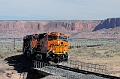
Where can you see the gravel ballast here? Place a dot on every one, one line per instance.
(68, 74)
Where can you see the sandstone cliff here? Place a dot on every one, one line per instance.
(108, 23)
(48, 26)
(108, 28)
(21, 28)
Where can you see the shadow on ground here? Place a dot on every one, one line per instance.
(22, 65)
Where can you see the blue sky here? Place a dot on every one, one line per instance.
(59, 9)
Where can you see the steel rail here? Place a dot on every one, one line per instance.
(86, 72)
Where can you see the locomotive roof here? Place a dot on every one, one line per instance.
(43, 34)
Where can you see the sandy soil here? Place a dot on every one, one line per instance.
(13, 65)
(8, 72)
(103, 55)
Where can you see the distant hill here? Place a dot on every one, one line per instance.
(74, 28)
(108, 23)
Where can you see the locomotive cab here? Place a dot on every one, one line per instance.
(58, 46)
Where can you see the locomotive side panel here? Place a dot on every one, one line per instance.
(44, 45)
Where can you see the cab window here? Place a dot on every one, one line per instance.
(50, 37)
(63, 38)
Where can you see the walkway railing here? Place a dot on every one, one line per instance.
(75, 64)
(88, 66)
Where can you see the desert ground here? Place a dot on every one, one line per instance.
(11, 55)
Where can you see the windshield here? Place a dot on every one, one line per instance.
(50, 37)
(63, 38)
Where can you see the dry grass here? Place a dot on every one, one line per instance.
(7, 50)
(108, 55)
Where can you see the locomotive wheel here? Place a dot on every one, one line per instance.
(57, 60)
(28, 54)
(24, 51)
(67, 56)
(38, 57)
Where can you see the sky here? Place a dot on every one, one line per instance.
(59, 9)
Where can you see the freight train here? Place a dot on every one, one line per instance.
(51, 46)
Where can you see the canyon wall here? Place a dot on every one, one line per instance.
(21, 28)
(108, 23)
(74, 28)
(48, 25)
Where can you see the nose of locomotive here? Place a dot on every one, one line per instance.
(58, 47)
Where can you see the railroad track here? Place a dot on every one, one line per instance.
(87, 72)
(69, 72)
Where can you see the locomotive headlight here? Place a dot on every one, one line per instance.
(58, 42)
(53, 51)
(64, 52)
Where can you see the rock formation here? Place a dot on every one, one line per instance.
(74, 28)
(19, 28)
(108, 23)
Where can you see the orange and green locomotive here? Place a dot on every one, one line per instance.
(52, 46)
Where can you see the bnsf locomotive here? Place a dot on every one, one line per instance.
(51, 46)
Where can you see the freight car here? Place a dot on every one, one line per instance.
(51, 46)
